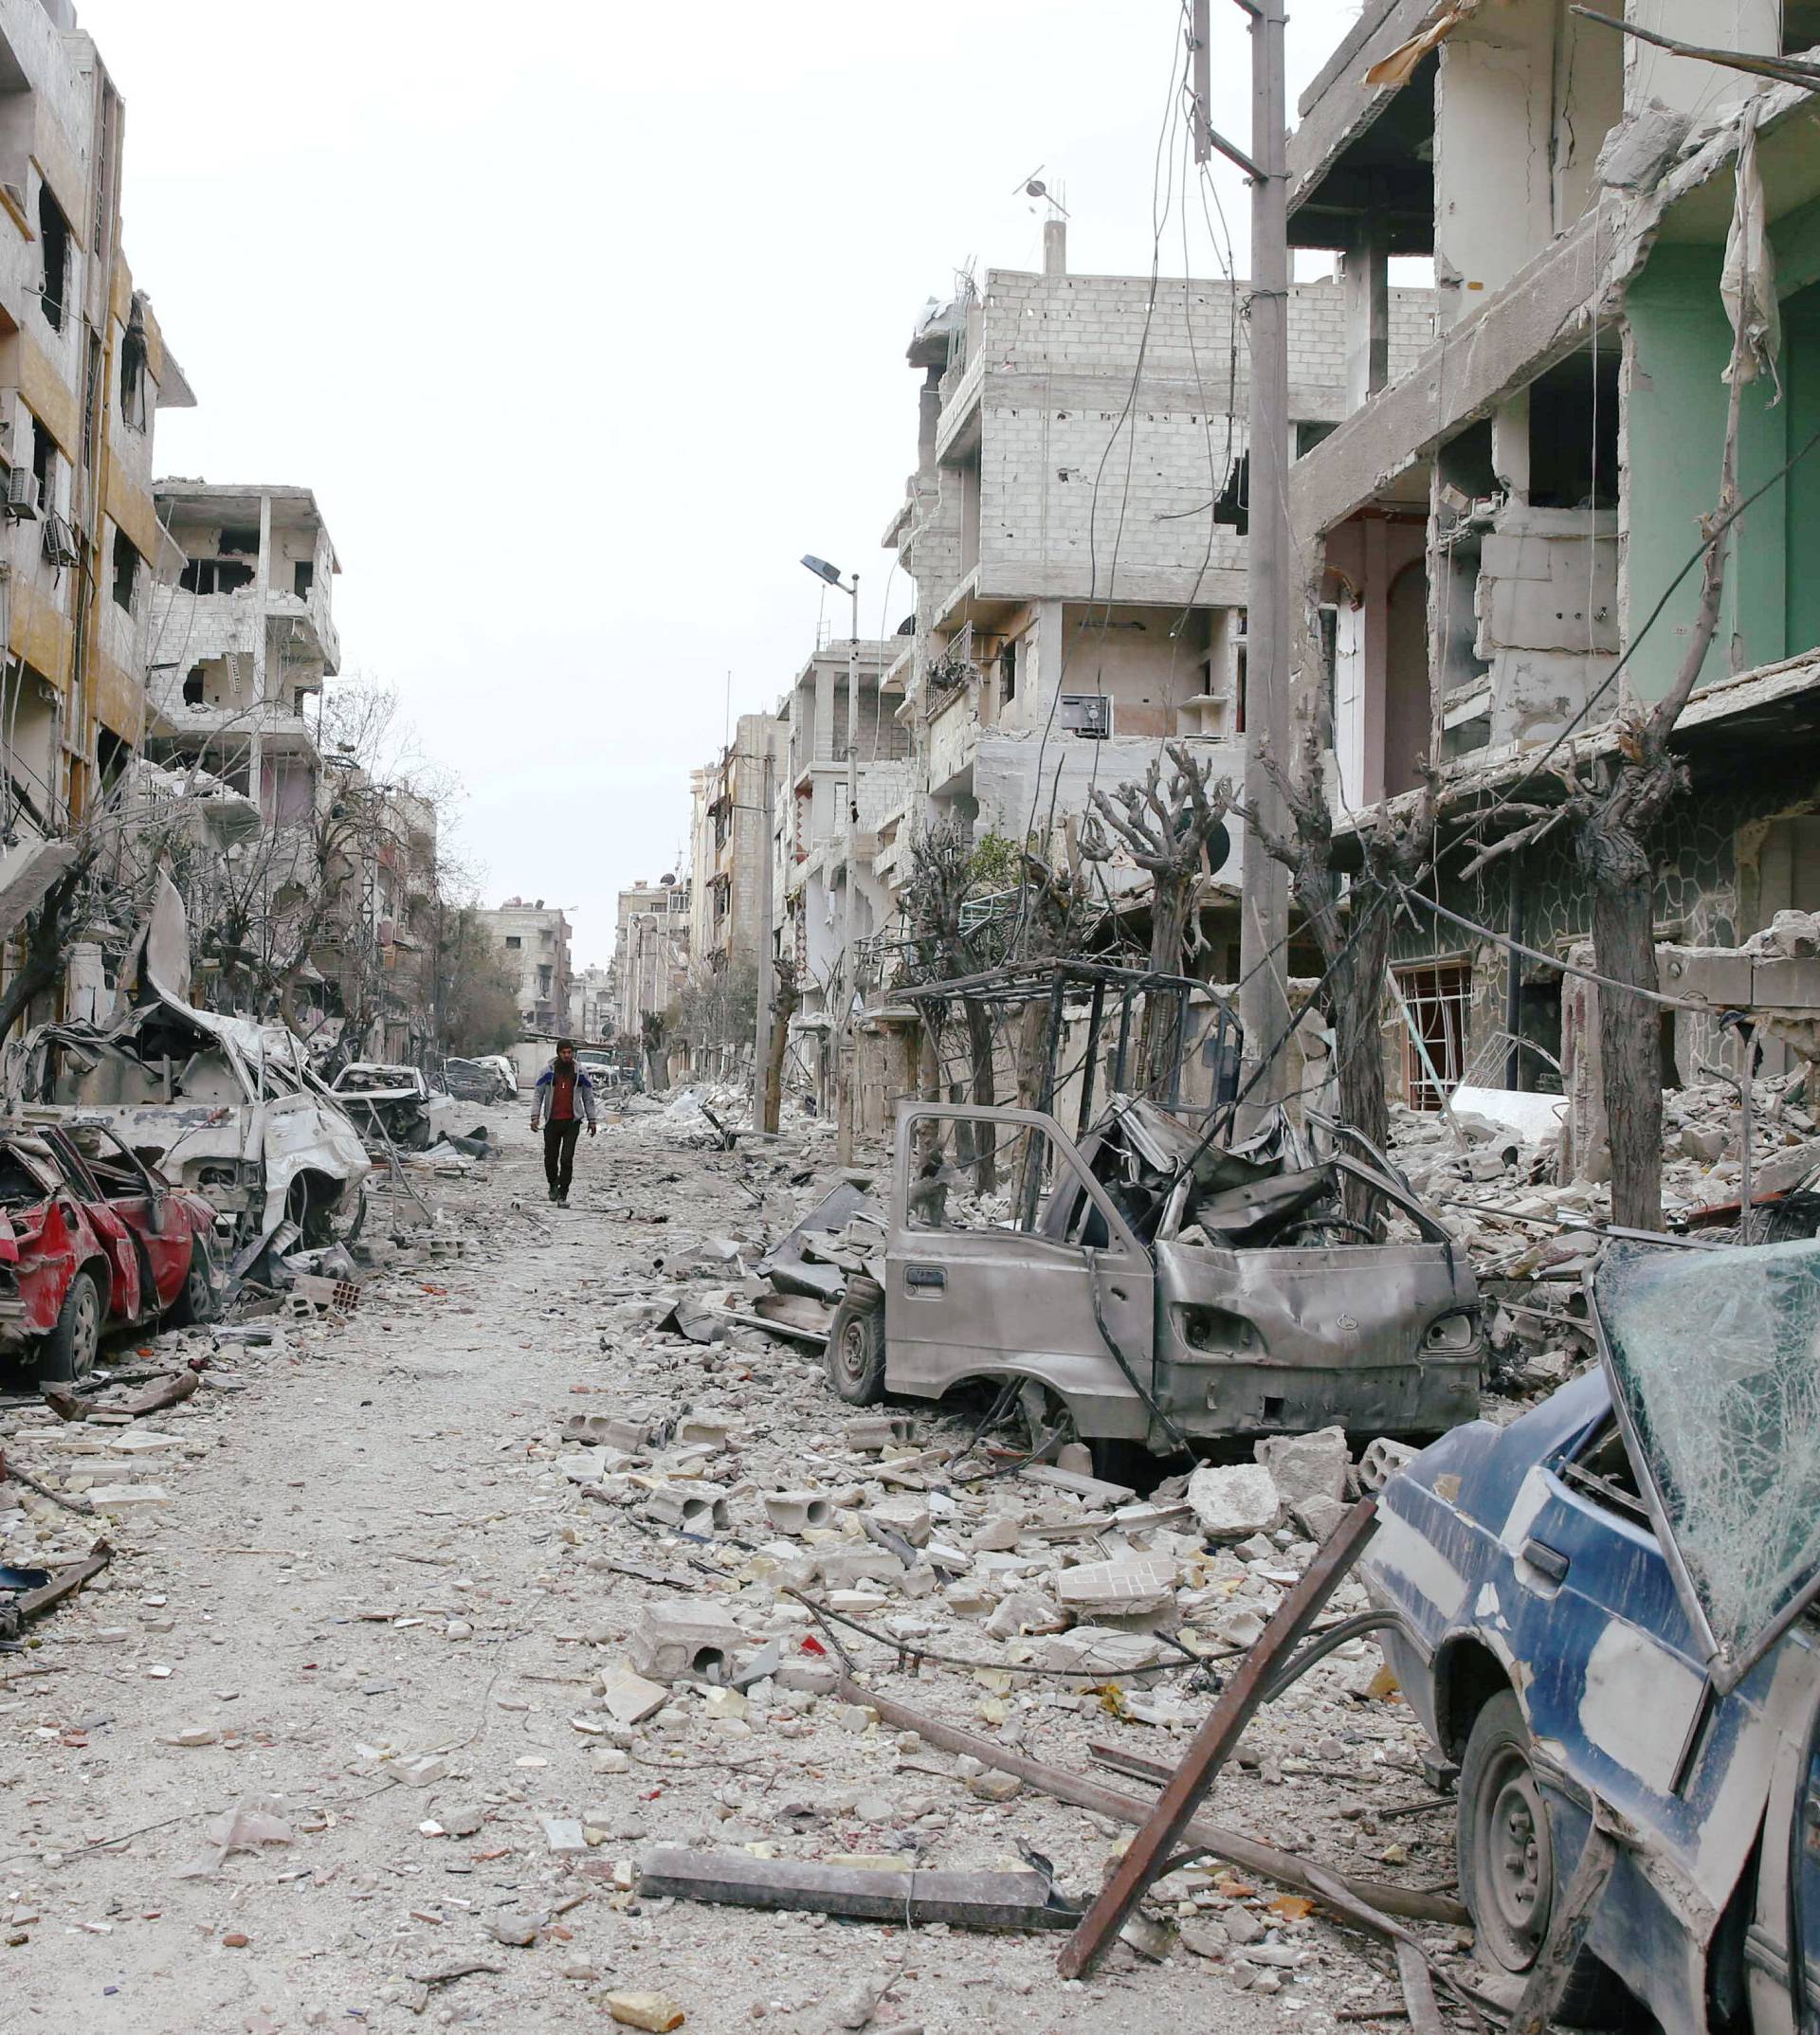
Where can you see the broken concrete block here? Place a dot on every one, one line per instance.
(697, 1508)
(797, 1512)
(678, 1642)
(563, 1833)
(997, 1536)
(876, 1433)
(905, 1515)
(1318, 1515)
(1102, 1654)
(807, 1678)
(991, 1786)
(1139, 1589)
(697, 1430)
(1382, 1461)
(1307, 1466)
(1020, 1613)
(1093, 1490)
(1233, 1501)
(629, 1699)
(845, 1567)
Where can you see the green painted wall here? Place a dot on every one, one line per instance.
(1801, 377)
(1675, 432)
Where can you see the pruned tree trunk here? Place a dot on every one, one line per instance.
(985, 1096)
(1169, 833)
(785, 999)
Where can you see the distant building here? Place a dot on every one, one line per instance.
(730, 838)
(650, 949)
(590, 1005)
(533, 938)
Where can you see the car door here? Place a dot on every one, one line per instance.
(974, 1288)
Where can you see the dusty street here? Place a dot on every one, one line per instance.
(374, 1610)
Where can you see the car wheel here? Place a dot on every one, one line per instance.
(1507, 1864)
(68, 1352)
(196, 1303)
(856, 1343)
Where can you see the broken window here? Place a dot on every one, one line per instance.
(514, 940)
(1007, 673)
(303, 577)
(239, 542)
(44, 465)
(1436, 999)
(1573, 433)
(194, 679)
(215, 576)
(126, 571)
(53, 235)
(112, 755)
(1714, 1357)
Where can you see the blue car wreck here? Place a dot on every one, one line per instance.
(1602, 1610)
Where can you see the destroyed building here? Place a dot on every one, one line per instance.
(533, 941)
(1069, 617)
(650, 949)
(730, 838)
(84, 372)
(1493, 526)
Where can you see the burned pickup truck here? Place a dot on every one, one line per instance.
(1163, 1290)
(222, 1106)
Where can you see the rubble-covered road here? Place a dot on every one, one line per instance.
(362, 1640)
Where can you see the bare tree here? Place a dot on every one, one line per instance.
(1166, 830)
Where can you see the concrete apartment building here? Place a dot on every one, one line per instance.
(532, 939)
(243, 625)
(1072, 532)
(1494, 528)
(809, 821)
(650, 951)
(84, 372)
(591, 1006)
(730, 838)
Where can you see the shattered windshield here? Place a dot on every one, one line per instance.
(1716, 1356)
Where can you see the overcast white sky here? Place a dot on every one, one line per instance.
(585, 321)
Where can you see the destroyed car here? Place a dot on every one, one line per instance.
(394, 1102)
(1603, 1612)
(93, 1239)
(228, 1109)
(476, 1080)
(1165, 1290)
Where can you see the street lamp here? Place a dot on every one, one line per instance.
(831, 573)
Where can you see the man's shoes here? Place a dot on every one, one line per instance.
(562, 1201)
(553, 1193)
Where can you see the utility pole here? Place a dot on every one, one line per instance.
(1264, 909)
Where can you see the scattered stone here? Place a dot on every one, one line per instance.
(1234, 1502)
(645, 2010)
(1307, 1465)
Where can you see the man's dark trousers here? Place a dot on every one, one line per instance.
(559, 1154)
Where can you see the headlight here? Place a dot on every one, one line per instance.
(1452, 1334)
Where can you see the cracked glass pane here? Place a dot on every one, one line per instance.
(1717, 1357)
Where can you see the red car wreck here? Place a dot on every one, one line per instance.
(91, 1239)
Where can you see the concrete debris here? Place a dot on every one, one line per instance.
(1231, 1502)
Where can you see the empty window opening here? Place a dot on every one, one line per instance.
(1007, 673)
(44, 465)
(1434, 1039)
(192, 686)
(514, 940)
(303, 577)
(111, 756)
(53, 234)
(126, 571)
(239, 542)
(215, 576)
(1573, 433)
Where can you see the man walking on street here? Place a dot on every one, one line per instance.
(564, 1094)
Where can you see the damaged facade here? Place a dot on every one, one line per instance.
(84, 372)
(1492, 528)
(533, 940)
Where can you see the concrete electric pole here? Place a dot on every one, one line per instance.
(1264, 911)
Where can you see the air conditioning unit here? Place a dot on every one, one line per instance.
(1088, 715)
(60, 541)
(22, 493)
